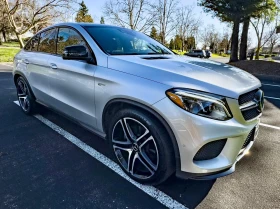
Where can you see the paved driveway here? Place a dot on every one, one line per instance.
(48, 161)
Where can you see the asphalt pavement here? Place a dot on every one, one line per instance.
(48, 161)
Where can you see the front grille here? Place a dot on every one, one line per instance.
(210, 150)
(244, 98)
(250, 114)
(252, 111)
(249, 138)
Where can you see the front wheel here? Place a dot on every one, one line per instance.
(141, 146)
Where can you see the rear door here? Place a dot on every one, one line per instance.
(36, 58)
(72, 81)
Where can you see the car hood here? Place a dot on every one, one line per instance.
(185, 72)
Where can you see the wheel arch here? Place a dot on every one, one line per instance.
(18, 74)
(116, 104)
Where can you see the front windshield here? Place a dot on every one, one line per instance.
(122, 41)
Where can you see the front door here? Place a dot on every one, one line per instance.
(71, 81)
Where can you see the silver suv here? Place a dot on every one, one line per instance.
(161, 113)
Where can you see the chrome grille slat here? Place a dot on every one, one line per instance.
(248, 107)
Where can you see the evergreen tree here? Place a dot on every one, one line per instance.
(154, 33)
(82, 15)
(234, 11)
(171, 44)
(178, 43)
(102, 21)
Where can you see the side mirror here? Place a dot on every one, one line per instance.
(77, 52)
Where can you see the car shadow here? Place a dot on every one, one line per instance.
(188, 192)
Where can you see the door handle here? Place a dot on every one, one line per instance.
(26, 61)
(53, 66)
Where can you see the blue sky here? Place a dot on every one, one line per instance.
(96, 7)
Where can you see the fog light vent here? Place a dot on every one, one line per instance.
(210, 150)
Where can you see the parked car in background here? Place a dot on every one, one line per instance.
(161, 113)
(197, 53)
(208, 54)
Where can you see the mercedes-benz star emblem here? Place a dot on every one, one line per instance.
(259, 100)
(135, 147)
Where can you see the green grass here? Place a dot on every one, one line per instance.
(10, 44)
(180, 53)
(7, 54)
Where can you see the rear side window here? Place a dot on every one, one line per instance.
(68, 37)
(32, 45)
(48, 41)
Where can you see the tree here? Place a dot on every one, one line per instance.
(264, 18)
(210, 38)
(171, 44)
(273, 38)
(164, 16)
(244, 39)
(4, 23)
(154, 33)
(190, 43)
(102, 21)
(24, 15)
(134, 14)
(234, 11)
(254, 12)
(186, 23)
(82, 15)
(177, 43)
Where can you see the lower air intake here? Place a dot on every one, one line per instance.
(210, 150)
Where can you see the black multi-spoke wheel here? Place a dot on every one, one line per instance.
(25, 98)
(141, 147)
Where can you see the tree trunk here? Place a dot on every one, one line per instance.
(257, 57)
(271, 48)
(19, 37)
(244, 40)
(234, 42)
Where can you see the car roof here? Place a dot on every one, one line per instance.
(74, 25)
(82, 24)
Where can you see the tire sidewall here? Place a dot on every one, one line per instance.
(159, 136)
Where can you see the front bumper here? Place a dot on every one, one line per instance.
(192, 132)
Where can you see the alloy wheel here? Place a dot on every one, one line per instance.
(23, 95)
(135, 148)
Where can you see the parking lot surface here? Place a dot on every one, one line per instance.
(48, 161)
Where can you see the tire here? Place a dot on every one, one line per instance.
(26, 99)
(141, 146)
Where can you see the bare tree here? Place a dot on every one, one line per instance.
(272, 38)
(27, 15)
(210, 38)
(4, 23)
(186, 23)
(134, 14)
(165, 11)
(259, 25)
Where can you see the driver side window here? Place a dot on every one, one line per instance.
(68, 37)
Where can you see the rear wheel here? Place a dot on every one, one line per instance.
(26, 100)
(141, 146)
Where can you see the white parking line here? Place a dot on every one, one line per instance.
(272, 98)
(269, 126)
(266, 84)
(150, 190)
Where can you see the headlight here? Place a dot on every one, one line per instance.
(200, 103)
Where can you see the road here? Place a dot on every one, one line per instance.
(48, 161)
(220, 59)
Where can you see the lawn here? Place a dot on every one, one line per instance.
(10, 44)
(7, 54)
